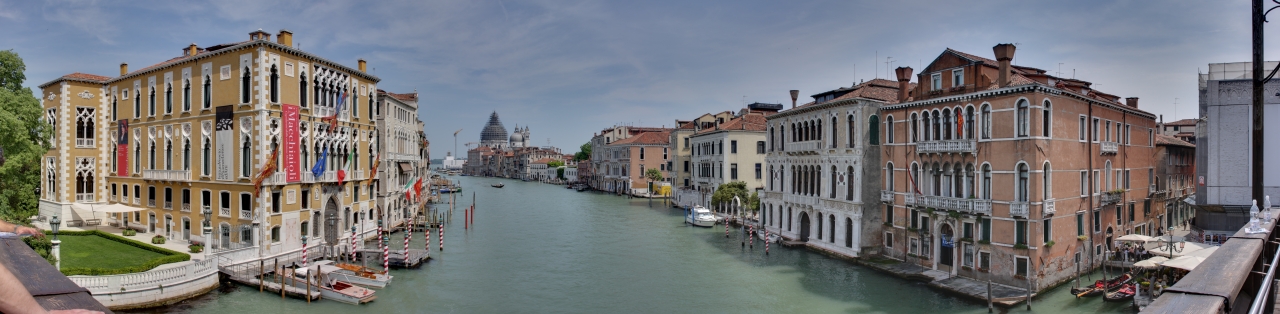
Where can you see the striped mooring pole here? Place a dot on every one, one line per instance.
(408, 234)
(386, 256)
(441, 237)
(380, 233)
(726, 227)
(353, 244)
(766, 241)
(304, 251)
(427, 231)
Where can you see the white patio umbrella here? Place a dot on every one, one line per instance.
(1150, 262)
(1135, 238)
(1185, 262)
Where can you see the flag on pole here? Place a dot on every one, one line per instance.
(342, 172)
(408, 189)
(373, 172)
(333, 120)
(267, 170)
(318, 169)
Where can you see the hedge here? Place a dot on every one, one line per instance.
(170, 256)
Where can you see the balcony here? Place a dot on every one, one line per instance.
(84, 197)
(886, 196)
(1049, 207)
(137, 201)
(224, 212)
(359, 175)
(1110, 197)
(1018, 209)
(1109, 148)
(946, 146)
(167, 175)
(168, 205)
(982, 207)
(277, 178)
(186, 207)
(151, 203)
(804, 146)
(84, 143)
(801, 199)
(912, 199)
(246, 215)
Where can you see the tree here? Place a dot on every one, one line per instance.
(584, 152)
(555, 163)
(23, 138)
(753, 202)
(725, 193)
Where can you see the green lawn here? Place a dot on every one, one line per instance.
(91, 251)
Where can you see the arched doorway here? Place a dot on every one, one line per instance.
(804, 226)
(946, 254)
(331, 222)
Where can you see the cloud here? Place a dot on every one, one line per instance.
(84, 15)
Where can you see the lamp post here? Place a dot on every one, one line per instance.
(56, 250)
(1174, 248)
(208, 226)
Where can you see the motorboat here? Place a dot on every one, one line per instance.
(359, 275)
(497, 185)
(772, 237)
(701, 217)
(325, 280)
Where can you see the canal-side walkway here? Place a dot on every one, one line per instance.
(1003, 295)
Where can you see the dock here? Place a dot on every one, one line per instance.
(396, 258)
(246, 276)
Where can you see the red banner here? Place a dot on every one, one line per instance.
(122, 149)
(291, 163)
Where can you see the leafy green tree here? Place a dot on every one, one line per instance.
(23, 138)
(555, 163)
(725, 193)
(584, 152)
(753, 202)
(560, 173)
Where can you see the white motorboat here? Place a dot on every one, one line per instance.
(359, 275)
(700, 216)
(773, 237)
(330, 287)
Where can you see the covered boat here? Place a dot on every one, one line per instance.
(700, 216)
(359, 275)
(330, 287)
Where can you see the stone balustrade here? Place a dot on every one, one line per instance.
(946, 146)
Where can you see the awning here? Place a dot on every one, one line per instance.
(1185, 262)
(1150, 262)
(1190, 247)
(405, 167)
(1204, 253)
(1135, 237)
(106, 208)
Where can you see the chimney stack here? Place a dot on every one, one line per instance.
(124, 68)
(1131, 101)
(191, 50)
(904, 81)
(1004, 54)
(795, 93)
(362, 65)
(285, 38)
(259, 35)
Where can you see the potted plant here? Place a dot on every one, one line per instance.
(1082, 238)
(196, 248)
(158, 239)
(129, 232)
(1049, 244)
(969, 240)
(1020, 246)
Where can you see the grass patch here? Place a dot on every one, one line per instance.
(98, 253)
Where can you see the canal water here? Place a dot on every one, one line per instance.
(539, 248)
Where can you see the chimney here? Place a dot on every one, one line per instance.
(1004, 54)
(904, 80)
(285, 38)
(124, 68)
(1131, 101)
(362, 65)
(191, 50)
(259, 35)
(794, 94)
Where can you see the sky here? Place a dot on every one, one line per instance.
(568, 68)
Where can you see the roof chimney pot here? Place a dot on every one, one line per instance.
(1131, 101)
(285, 38)
(795, 93)
(1004, 55)
(362, 64)
(904, 81)
(191, 50)
(124, 68)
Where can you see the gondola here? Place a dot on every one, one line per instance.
(1099, 287)
(498, 185)
(1125, 293)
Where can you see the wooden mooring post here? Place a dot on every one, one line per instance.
(261, 271)
(309, 285)
(280, 273)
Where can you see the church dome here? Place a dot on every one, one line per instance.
(493, 132)
(517, 137)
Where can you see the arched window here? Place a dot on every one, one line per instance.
(937, 126)
(817, 130)
(833, 182)
(137, 103)
(1023, 124)
(947, 125)
(372, 106)
(151, 101)
(152, 158)
(986, 121)
(186, 95)
(1046, 125)
(302, 89)
(168, 155)
(205, 157)
(888, 127)
(852, 132)
(244, 158)
(888, 177)
(986, 181)
(957, 181)
(915, 127)
(275, 84)
(937, 180)
(186, 155)
(968, 122)
(772, 139)
(925, 127)
(968, 181)
(848, 185)
(207, 92)
(1048, 180)
(245, 92)
(874, 129)
(318, 92)
(834, 131)
(915, 179)
(1023, 179)
(168, 97)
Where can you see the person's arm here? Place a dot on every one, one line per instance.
(14, 298)
(6, 226)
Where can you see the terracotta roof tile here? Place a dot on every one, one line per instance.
(401, 97)
(78, 77)
(752, 121)
(647, 138)
(1183, 122)
(1162, 139)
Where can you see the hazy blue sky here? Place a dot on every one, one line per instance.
(568, 68)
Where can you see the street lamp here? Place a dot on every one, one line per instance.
(55, 223)
(1173, 248)
(208, 226)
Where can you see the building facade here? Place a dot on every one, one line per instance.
(625, 161)
(728, 151)
(400, 154)
(823, 164)
(193, 132)
(1175, 170)
(999, 171)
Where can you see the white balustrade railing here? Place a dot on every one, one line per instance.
(946, 146)
(137, 201)
(981, 206)
(359, 175)
(146, 280)
(84, 143)
(804, 146)
(1109, 197)
(277, 178)
(151, 203)
(186, 207)
(84, 197)
(1018, 209)
(886, 196)
(1109, 147)
(224, 212)
(174, 175)
(246, 215)
(1049, 207)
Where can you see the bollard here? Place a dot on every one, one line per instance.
(280, 273)
(726, 228)
(308, 287)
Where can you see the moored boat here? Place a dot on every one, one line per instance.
(1125, 293)
(330, 287)
(701, 217)
(359, 275)
(497, 185)
(1099, 287)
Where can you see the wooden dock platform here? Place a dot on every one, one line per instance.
(793, 243)
(248, 279)
(396, 258)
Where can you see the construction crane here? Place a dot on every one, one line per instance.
(455, 142)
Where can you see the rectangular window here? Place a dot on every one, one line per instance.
(759, 172)
(888, 213)
(968, 230)
(1047, 229)
(642, 153)
(1094, 136)
(1097, 182)
(1151, 138)
(225, 205)
(957, 77)
(1097, 223)
(888, 239)
(968, 255)
(760, 147)
(986, 229)
(1084, 181)
(246, 205)
(733, 171)
(1020, 232)
(306, 199)
(1022, 266)
(936, 80)
(984, 260)
(1079, 224)
(686, 166)
(1082, 126)
(1126, 179)
(275, 201)
(1127, 139)
(915, 218)
(1107, 126)
(733, 147)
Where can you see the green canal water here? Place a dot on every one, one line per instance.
(538, 248)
